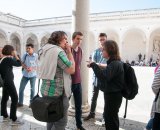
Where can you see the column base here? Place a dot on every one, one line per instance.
(85, 110)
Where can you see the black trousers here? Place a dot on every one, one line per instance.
(9, 89)
(112, 104)
(156, 121)
(77, 94)
(94, 100)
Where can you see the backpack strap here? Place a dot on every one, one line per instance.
(25, 58)
(125, 113)
(157, 96)
(2, 59)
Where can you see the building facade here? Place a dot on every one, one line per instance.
(135, 31)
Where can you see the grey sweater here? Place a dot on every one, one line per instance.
(47, 67)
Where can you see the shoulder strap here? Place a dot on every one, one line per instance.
(38, 86)
(25, 58)
(2, 59)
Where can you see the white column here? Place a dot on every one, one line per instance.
(80, 22)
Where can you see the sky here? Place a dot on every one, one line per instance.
(37, 9)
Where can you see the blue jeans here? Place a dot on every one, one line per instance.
(23, 84)
(150, 124)
(77, 94)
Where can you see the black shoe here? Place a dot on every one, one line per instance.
(81, 128)
(19, 105)
(90, 116)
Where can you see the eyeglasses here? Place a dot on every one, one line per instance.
(101, 39)
(28, 48)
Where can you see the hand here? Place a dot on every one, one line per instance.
(14, 53)
(89, 63)
(68, 48)
(29, 69)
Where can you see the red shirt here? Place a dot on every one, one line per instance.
(77, 55)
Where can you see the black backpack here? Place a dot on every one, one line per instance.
(130, 88)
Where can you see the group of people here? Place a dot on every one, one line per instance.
(58, 64)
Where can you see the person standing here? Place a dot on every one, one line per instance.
(156, 108)
(76, 78)
(7, 62)
(97, 58)
(1, 53)
(29, 65)
(113, 76)
(56, 63)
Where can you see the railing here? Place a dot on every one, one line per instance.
(145, 13)
(47, 21)
(117, 15)
(11, 19)
(129, 14)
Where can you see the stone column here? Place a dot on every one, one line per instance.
(80, 22)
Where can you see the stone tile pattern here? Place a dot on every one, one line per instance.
(89, 125)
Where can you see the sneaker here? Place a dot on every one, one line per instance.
(6, 119)
(81, 128)
(90, 116)
(19, 105)
(17, 122)
(103, 123)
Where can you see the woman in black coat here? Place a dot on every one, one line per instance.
(113, 77)
(9, 60)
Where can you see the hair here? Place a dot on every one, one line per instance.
(7, 50)
(56, 37)
(75, 34)
(29, 45)
(103, 35)
(111, 47)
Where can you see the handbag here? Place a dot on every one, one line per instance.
(46, 108)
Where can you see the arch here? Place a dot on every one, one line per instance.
(112, 35)
(3, 33)
(16, 42)
(154, 44)
(44, 39)
(3, 38)
(133, 43)
(32, 38)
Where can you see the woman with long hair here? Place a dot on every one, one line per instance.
(113, 76)
(56, 63)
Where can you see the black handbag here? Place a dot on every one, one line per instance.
(47, 109)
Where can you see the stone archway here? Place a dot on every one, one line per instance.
(133, 44)
(44, 39)
(154, 45)
(32, 38)
(15, 42)
(3, 38)
(112, 35)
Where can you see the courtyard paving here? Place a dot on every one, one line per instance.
(137, 115)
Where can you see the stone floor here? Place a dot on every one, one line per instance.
(30, 123)
(137, 116)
